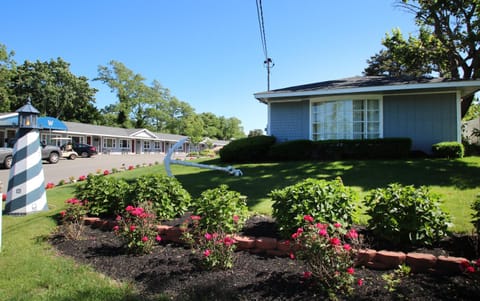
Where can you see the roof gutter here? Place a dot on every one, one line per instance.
(266, 96)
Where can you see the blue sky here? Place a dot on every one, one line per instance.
(207, 52)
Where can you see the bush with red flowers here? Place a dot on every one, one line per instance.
(49, 185)
(137, 228)
(72, 218)
(329, 252)
(216, 248)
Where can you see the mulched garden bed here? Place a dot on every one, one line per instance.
(173, 270)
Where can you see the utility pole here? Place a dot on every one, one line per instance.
(269, 65)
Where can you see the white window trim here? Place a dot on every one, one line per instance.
(316, 100)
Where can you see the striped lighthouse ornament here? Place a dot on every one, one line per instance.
(26, 185)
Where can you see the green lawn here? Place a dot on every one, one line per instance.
(31, 270)
(456, 181)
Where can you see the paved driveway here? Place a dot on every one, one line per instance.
(83, 166)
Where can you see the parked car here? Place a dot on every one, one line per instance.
(50, 153)
(82, 149)
(6, 157)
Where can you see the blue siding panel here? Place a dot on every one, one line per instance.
(426, 119)
(290, 120)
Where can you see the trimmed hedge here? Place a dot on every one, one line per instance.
(262, 149)
(251, 149)
(296, 150)
(449, 149)
(390, 148)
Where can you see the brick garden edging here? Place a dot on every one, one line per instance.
(373, 259)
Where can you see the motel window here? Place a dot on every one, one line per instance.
(109, 143)
(146, 144)
(158, 145)
(124, 143)
(346, 119)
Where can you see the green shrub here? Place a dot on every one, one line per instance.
(476, 215)
(362, 149)
(168, 197)
(104, 195)
(292, 150)
(221, 208)
(325, 201)
(448, 150)
(251, 149)
(406, 215)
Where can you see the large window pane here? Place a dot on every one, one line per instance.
(346, 119)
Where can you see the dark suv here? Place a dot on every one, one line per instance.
(84, 150)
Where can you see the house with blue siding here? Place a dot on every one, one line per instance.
(427, 110)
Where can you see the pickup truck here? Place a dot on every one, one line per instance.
(50, 153)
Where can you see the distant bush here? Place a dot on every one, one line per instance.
(251, 149)
(405, 215)
(450, 149)
(168, 197)
(325, 201)
(104, 195)
(295, 150)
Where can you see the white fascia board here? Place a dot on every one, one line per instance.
(264, 96)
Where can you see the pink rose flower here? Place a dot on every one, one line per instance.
(351, 270)
(360, 282)
(307, 274)
(235, 219)
(308, 218)
(132, 228)
(195, 217)
(207, 253)
(208, 236)
(335, 241)
(129, 208)
(352, 234)
(145, 239)
(337, 225)
(322, 232)
(116, 228)
(228, 241)
(347, 247)
(158, 238)
(292, 256)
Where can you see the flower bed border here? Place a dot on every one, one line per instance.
(370, 258)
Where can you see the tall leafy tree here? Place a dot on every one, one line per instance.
(211, 125)
(54, 91)
(448, 43)
(256, 132)
(7, 72)
(133, 94)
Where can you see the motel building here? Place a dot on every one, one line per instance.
(107, 140)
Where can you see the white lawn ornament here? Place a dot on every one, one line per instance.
(168, 160)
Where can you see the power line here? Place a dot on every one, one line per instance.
(268, 63)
